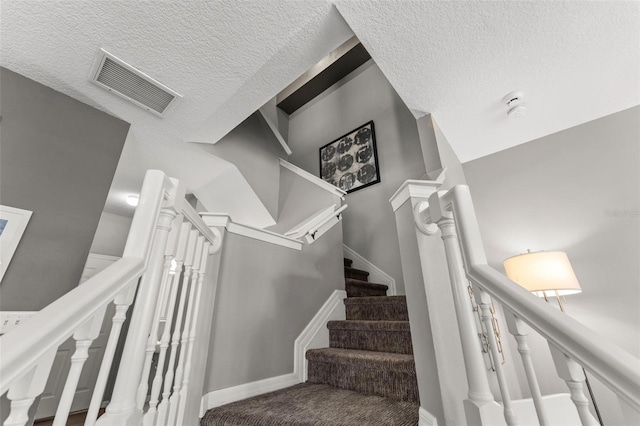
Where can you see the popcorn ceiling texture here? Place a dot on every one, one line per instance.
(575, 61)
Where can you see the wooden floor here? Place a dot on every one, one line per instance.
(75, 419)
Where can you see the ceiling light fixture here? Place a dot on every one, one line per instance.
(133, 200)
(516, 107)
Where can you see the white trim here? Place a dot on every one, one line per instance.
(426, 418)
(416, 189)
(376, 275)
(192, 216)
(247, 390)
(223, 220)
(303, 227)
(313, 179)
(103, 257)
(315, 334)
(276, 133)
(11, 234)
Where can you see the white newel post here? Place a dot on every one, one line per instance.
(152, 341)
(150, 415)
(479, 390)
(122, 409)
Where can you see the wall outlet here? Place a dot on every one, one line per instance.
(11, 319)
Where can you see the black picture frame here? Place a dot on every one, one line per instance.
(350, 162)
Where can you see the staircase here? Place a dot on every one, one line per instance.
(366, 377)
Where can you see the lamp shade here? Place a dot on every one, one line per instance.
(543, 273)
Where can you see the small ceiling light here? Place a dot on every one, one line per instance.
(516, 107)
(132, 200)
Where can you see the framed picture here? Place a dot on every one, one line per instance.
(13, 222)
(351, 161)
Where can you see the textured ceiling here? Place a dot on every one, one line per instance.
(575, 61)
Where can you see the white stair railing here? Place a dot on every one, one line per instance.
(572, 345)
(163, 225)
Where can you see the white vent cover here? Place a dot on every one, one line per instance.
(124, 80)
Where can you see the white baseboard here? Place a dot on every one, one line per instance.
(426, 418)
(315, 334)
(236, 393)
(376, 275)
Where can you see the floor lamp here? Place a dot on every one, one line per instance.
(547, 274)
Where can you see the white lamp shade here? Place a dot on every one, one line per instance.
(545, 272)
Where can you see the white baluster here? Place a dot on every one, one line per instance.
(163, 408)
(152, 341)
(174, 401)
(150, 415)
(85, 335)
(122, 408)
(573, 375)
(122, 303)
(479, 391)
(24, 391)
(202, 267)
(520, 331)
(487, 318)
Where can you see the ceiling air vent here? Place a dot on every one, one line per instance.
(120, 78)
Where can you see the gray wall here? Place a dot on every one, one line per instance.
(267, 294)
(58, 159)
(364, 95)
(298, 200)
(577, 191)
(255, 151)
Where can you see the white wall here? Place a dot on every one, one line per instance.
(577, 191)
(364, 95)
(111, 234)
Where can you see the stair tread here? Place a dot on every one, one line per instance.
(363, 359)
(375, 300)
(368, 325)
(314, 404)
(359, 271)
(347, 262)
(360, 283)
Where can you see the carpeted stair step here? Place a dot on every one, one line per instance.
(359, 288)
(374, 373)
(388, 308)
(382, 336)
(357, 274)
(314, 405)
(347, 262)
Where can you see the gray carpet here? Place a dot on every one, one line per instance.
(314, 405)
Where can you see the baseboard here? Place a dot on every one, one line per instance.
(376, 275)
(426, 418)
(236, 393)
(315, 334)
